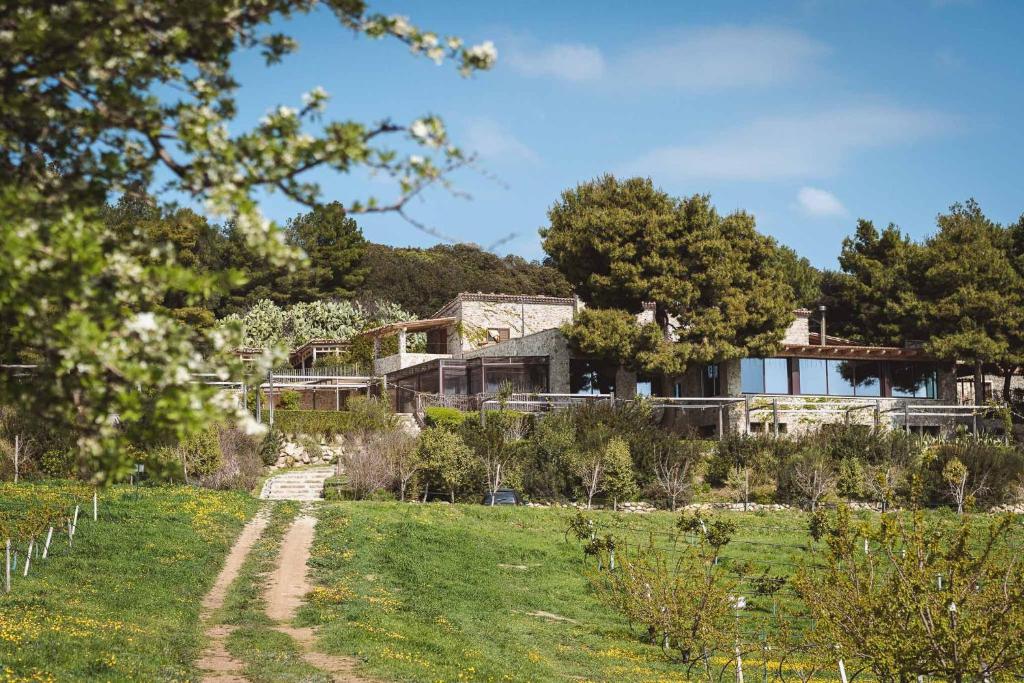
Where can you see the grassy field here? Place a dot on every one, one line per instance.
(123, 603)
(449, 593)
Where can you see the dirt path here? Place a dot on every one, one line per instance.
(285, 593)
(216, 662)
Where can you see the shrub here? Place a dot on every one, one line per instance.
(199, 453)
(241, 462)
(289, 399)
(337, 488)
(326, 423)
(270, 446)
(448, 418)
(58, 463)
(448, 461)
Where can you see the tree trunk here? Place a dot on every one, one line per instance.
(1008, 384)
(979, 385)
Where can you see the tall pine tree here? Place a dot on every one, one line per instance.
(716, 283)
(971, 294)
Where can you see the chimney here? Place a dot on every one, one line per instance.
(821, 310)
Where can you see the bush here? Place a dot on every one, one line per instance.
(270, 446)
(326, 423)
(448, 418)
(199, 453)
(289, 399)
(58, 463)
(337, 488)
(241, 462)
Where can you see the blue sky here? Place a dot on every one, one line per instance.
(808, 114)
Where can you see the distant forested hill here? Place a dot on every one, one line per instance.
(423, 280)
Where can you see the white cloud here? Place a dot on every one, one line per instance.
(564, 61)
(492, 141)
(708, 58)
(810, 145)
(721, 57)
(815, 202)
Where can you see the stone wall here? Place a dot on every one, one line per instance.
(521, 320)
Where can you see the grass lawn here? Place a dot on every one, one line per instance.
(448, 593)
(123, 603)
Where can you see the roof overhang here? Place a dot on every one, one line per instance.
(849, 352)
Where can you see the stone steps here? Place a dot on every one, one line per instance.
(301, 485)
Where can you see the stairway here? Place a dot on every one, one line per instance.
(304, 484)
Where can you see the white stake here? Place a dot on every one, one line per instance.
(842, 671)
(28, 556)
(7, 565)
(94, 505)
(74, 523)
(46, 546)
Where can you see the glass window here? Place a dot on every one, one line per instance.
(776, 376)
(913, 380)
(813, 377)
(841, 381)
(588, 377)
(453, 378)
(752, 375)
(868, 376)
(710, 383)
(644, 387)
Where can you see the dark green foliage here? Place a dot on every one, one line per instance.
(873, 299)
(715, 279)
(195, 243)
(448, 418)
(335, 247)
(804, 278)
(423, 280)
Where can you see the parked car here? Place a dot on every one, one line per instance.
(502, 497)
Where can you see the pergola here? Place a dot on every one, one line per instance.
(850, 352)
(402, 329)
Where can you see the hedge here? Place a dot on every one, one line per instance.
(319, 422)
(449, 418)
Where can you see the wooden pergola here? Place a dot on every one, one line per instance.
(402, 329)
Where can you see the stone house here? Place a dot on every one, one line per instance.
(476, 342)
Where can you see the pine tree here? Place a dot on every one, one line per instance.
(716, 283)
(971, 295)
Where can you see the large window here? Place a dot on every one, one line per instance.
(813, 376)
(764, 376)
(854, 378)
(914, 380)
